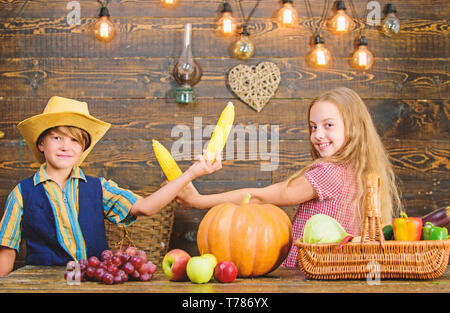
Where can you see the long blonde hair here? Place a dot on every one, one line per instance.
(363, 150)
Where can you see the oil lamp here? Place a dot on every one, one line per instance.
(187, 72)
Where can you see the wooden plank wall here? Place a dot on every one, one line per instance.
(128, 82)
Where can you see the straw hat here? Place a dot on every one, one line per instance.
(62, 112)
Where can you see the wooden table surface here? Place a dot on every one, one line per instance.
(41, 279)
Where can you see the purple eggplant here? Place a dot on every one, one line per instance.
(439, 217)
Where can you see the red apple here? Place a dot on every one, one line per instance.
(174, 264)
(225, 272)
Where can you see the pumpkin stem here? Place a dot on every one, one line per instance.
(246, 199)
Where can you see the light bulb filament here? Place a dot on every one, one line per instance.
(227, 27)
(104, 30)
(341, 24)
(287, 17)
(320, 57)
(362, 59)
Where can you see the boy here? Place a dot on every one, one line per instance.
(60, 211)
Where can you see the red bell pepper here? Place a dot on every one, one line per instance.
(344, 242)
(407, 228)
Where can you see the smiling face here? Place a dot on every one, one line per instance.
(327, 128)
(61, 150)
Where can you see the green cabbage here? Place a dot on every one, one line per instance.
(322, 228)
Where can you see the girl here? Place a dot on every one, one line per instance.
(60, 211)
(345, 148)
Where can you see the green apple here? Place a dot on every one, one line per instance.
(211, 257)
(200, 269)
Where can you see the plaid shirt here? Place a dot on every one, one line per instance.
(117, 203)
(336, 188)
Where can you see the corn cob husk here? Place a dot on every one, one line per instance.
(221, 132)
(166, 161)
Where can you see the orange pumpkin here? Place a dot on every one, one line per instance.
(255, 237)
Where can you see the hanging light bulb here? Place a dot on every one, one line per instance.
(391, 23)
(243, 48)
(362, 58)
(169, 3)
(226, 24)
(287, 16)
(340, 23)
(104, 30)
(186, 72)
(319, 57)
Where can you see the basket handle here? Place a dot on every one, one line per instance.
(372, 230)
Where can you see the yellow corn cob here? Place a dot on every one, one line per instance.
(166, 161)
(222, 130)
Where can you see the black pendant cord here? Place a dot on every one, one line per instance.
(104, 3)
(317, 29)
(246, 20)
(22, 8)
(355, 17)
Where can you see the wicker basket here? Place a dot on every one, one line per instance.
(374, 257)
(149, 233)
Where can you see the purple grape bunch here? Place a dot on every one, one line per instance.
(113, 267)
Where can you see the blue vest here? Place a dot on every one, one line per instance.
(39, 229)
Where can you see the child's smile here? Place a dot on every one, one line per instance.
(327, 128)
(323, 146)
(60, 150)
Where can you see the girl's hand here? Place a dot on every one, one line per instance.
(186, 198)
(203, 167)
